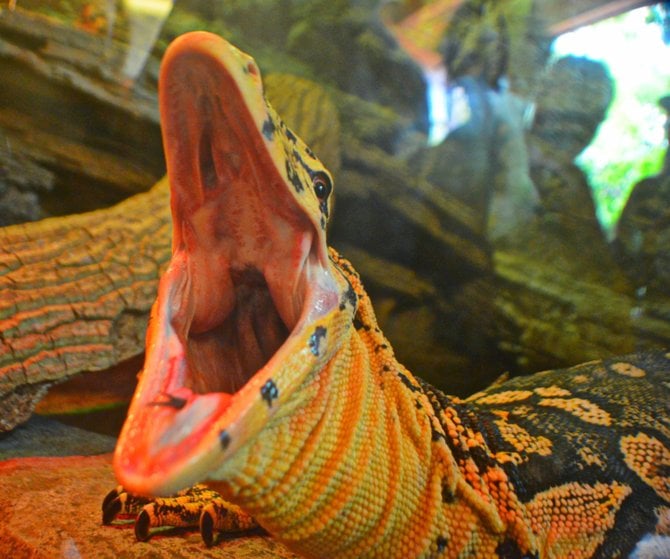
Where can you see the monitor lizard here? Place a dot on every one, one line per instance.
(267, 375)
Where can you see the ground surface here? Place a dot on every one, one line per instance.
(50, 504)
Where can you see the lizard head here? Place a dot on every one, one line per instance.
(251, 304)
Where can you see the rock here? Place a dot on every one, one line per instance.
(572, 102)
(80, 137)
(643, 231)
(45, 437)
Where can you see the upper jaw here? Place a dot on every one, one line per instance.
(248, 283)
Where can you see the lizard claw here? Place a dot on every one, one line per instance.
(110, 506)
(207, 528)
(142, 525)
(118, 503)
(191, 507)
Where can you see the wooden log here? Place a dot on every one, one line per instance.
(75, 294)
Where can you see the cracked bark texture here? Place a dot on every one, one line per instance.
(75, 294)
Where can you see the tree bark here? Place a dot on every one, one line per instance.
(75, 293)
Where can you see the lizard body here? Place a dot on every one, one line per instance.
(267, 374)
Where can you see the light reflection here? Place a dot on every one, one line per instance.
(146, 18)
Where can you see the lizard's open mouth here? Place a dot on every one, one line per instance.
(248, 279)
(242, 245)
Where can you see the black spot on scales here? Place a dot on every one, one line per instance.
(351, 298)
(482, 459)
(269, 392)
(441, 542)
(408, 383)
(326, 186)
(344, 265)
(290, 135)
(224, 439)
(447, 494)
(315, 340)
(509, 549)
(293, 177)
(436, 435)
(268, 129)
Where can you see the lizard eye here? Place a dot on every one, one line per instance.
(322, 186)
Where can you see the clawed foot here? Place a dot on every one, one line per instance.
(195, 506)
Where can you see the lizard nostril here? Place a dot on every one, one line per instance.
(252, 69)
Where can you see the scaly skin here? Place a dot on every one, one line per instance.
(266, 372)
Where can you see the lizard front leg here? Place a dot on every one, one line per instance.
(196, 506)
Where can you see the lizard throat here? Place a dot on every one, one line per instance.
(225, 357)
